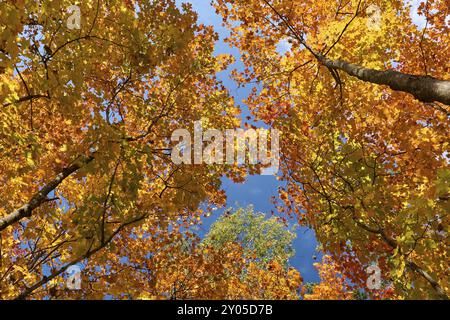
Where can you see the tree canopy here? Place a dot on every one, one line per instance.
(360, 93)
(265, 239)
(365, 148)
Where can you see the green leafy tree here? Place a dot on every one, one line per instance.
(263, 239)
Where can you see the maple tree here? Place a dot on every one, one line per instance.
(86, 115)
(87, 179)
(364, 111)
(335, 285)
(182, 267)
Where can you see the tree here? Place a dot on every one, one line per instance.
(181, 268)
(205, 272)
(86, 117)
(335, 285)
(87, 109)
(278, 17)
(366, 165)
(263, 239)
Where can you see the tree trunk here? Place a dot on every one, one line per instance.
(423, 88)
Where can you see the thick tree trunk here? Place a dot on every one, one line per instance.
(41, 196)
(423, 88)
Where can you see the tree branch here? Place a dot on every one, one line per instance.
(91, 251)
(413, 266)
(424, 88)
(41, 196)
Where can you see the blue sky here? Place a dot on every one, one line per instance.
(257, 190)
